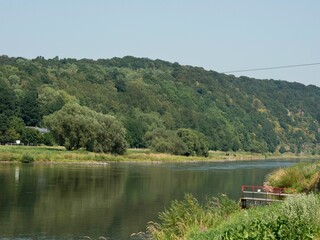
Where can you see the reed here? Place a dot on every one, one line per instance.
(303, 177)
(188, 215)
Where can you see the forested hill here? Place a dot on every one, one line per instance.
(153, 98)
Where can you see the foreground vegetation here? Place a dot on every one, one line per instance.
(61, 155)
(298, 217)
(221, 218)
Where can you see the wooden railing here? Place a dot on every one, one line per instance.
(260, 195)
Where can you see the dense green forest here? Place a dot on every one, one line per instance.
(165, 106)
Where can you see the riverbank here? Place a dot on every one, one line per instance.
(45, 154)
(303, 177)
(221, 218)
(298, 217)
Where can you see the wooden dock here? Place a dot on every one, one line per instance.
(262, 195)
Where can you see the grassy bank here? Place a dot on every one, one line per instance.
(221, 218)
(298, 217)
(60, 155)
(303, 177)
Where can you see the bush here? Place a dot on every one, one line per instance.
(195, 141)
(184, 142)
(282, 150)
(27, 159)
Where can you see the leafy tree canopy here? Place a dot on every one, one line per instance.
(145, 95)
(75, 127)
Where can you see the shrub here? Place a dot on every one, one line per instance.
(282, 150)
(186, 142)
(26, 158)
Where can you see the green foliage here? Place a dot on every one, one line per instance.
(166, 141)
(77, 127)
(50, 100)
(297, 218)
(303, 177)
(232, 113)
(138, 123)
(48, 139)
(27, 159)
(184, 142)
(187, 215)
(292, 149)
(11, 128)
(258, 147)
(282, 150)
(8, 100)
(31, 137)
(196, 143)
(30, 111)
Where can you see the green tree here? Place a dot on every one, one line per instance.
(11, 128)
(75, 127)
(282, 150)
(258, 147)
(147, 95)
(31, 137)
(165, 141)
(136, 130)
(195, 141)
(50, 100)
(292, 149)
(138, 123)
(30, 111)
(185, 142)
(8, 100)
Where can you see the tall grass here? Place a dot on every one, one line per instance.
(297, 218)
(51, 155)
(220, 218)
(303, 177)
(188, 215)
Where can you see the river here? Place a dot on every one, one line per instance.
(43, 201)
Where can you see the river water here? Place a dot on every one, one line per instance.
(40, 201)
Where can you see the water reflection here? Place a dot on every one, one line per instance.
(65, 202)
(16, 174)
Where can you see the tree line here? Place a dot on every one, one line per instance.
(153, 103)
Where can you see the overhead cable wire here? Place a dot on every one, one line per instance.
(269, 68)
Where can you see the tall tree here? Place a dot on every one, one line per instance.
(8, 100)
(30, 111)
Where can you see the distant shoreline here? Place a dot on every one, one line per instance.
(58, 155)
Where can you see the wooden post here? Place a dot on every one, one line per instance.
(243, 203)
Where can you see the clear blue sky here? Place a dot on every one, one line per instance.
(217, 35)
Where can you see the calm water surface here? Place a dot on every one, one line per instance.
(113, 201)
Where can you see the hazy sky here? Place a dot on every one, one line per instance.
(219, 35)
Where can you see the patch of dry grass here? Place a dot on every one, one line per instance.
(60, 154)
(303, 177)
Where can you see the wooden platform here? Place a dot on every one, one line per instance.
(262, 195)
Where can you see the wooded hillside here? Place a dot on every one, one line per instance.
(155, 99)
